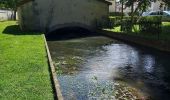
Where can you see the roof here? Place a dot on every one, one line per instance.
(26, 1)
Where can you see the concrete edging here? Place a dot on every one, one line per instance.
(157, 45)
(53, 73)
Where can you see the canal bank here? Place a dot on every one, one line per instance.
(151, 43)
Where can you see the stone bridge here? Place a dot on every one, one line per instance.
(50, 15)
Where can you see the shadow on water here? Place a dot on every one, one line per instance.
(15, 30)
(69, 33)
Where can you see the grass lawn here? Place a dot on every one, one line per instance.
(24, 71)
(165, 35)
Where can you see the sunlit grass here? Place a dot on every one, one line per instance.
(24, 71)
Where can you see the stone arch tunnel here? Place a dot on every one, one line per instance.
(70, 26)
(69, 31)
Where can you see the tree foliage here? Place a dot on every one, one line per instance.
(142, 5)
(2, 4)
(167, 2)
(10, 4)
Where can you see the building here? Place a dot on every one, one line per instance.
(49, 15)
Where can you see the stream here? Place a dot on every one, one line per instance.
(101, 68)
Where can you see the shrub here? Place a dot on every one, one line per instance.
(150, 24)
(126, 25)
(165, 19)
(116, 14)
(102, 23)
(115, 21)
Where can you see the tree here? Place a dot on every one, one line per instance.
(122, 2)
(2, 4)
(167, 2)
(122, 7)
(141, 5)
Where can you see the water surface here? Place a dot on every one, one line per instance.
(102, 68)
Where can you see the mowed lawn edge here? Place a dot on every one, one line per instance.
(24, 73)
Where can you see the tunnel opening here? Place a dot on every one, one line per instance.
(70, 33)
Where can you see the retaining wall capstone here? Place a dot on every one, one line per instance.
(55, 82)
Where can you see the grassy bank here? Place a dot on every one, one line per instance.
(165, 35)
(23, 65)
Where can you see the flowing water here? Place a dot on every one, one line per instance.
(95, 68)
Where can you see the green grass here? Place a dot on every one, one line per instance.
(165, 35)
(24, 71)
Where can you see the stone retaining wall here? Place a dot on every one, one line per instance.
(156, 44)
(55, 82)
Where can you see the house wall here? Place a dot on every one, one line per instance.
(46, 15)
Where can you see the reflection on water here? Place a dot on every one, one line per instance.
(103, 68)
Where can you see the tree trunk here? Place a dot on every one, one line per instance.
(122, 11)
(122, 16)
(132, 16)
(14, 16)
(132, 12)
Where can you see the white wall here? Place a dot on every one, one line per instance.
(5, 15)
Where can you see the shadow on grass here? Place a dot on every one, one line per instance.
(15, 30)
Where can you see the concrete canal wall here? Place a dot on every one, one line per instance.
(155, 44)
(55, 82)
